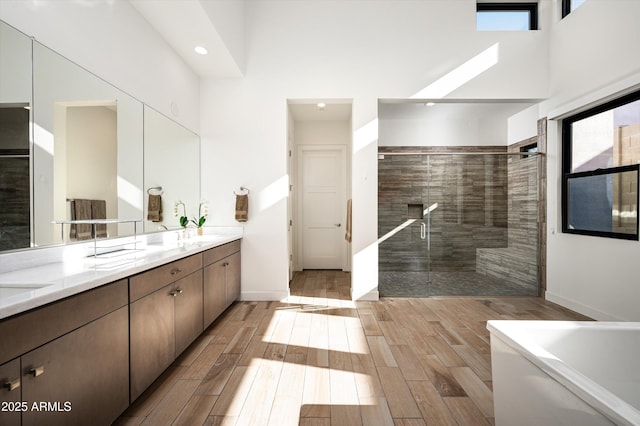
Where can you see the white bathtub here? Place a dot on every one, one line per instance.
(565, 372)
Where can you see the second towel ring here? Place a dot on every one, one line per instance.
(155, 188)
(242, 188)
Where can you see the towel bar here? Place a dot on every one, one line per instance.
(155, 188)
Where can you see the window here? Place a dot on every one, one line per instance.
(601, 156)
(506, 16)
(531, 149)
(569, 6)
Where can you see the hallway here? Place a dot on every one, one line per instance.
(321, 359)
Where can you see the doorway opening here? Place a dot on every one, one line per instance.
(319, 133)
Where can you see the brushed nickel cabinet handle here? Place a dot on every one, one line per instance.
(37, 371)
(12, 385)
(178, 290)
(175, 271)
(173, 293)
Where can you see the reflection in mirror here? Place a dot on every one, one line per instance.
(15, 202)
(15, 101)
(82, 139)
(88, 152)
(171, 170)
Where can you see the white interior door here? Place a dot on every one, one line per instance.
(322, 204)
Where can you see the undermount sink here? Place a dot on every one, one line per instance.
(11, 289)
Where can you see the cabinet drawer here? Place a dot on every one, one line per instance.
(215, 254)
(34, 328)
(147, 282)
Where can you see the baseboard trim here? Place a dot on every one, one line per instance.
(264, 296)
(580, 308)
(372, 296)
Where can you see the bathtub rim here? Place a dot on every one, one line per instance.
(599, 398)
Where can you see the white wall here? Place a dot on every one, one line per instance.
(227, 17)
(323, 132)
(523, 125)
(593, 57)
(361, 50)
(113, 41)
(15, 61)
(439, 125)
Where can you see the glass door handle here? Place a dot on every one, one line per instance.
(423, 230)
(429, 231)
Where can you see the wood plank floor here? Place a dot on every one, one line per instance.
(321, 359)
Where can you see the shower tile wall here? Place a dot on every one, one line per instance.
(471, 196)
(14, 178)
(519, 262)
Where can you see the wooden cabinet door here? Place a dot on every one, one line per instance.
(152, 335)
(81, 377)
(214, 291)
(233, 278)
(188, 310)
(10, 393)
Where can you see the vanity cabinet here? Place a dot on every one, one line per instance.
(188, 311)
(165, 315)
(79, 378)
(83, 359)
(72, 358)
(221, 279)
(10, 393)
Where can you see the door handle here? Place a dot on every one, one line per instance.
(423, 231)
(37, 371)
(12, 385)
(338, 225)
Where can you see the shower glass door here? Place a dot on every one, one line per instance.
(458, 224)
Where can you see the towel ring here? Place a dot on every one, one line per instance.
(155, 188)
(242, 188)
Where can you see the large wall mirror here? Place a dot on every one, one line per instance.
(82, 149)
(171, 170)
(87, 150)
(15, 104)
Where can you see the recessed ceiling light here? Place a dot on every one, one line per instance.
(430, 104)
(321, 105)
(201, 50)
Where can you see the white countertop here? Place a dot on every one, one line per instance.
(36, 285)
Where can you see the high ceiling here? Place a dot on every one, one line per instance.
(186, 24)
(218, 26)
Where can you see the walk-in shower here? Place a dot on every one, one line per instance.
(458, 221)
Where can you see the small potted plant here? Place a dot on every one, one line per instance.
(203, 211)
(182, 216)
(184, 220)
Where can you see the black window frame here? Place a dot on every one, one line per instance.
(532, 8)
(566, 8)
(567, 174)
